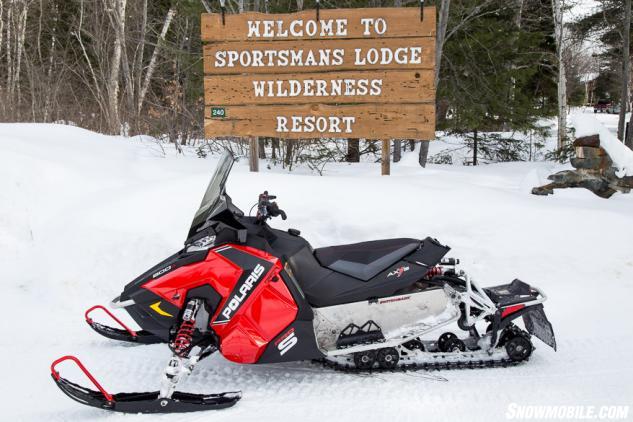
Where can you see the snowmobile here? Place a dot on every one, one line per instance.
(261, 295)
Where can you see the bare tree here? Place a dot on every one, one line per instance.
(440, 39)
(626, 70)
(117, 9)
(557, 8)
(152, 63)
(442, 24)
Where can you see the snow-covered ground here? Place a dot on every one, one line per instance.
(81, 214)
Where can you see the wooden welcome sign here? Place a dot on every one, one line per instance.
(353, 73)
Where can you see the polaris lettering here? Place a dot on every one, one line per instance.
(243, 291)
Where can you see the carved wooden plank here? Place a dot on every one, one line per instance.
(400, 22)
(372, 121)
(318, 56)
(384, 86)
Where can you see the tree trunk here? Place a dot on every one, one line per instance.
(114, 122)
(475, 146)
(152, 61)
(424, 153)
(629, 133)
(119, 27)
(8, 101)
(49, 73)
(274, 147)
(562, 80)
(442, 24)
(397, 150)
(261, 147)
(288, 157)
(253, 155)
(1, 25)
(21, 31)
(138, 62)
(385, 158)
(440, 39)
(626, 72)
(353, 151)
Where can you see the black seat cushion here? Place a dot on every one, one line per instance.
(366, 259)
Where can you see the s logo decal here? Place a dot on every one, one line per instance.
(287, 342)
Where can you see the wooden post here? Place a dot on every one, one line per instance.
(385, 158)
(253, 154)
(397, 150)
(353, 151)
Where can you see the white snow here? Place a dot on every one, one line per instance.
(82, 214)
(586, 125)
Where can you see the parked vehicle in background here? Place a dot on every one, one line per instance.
(614, 109)
(601, 106)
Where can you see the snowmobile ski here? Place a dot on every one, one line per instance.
(150, 402)
(125, 334)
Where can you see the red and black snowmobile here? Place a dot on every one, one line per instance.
(261, 295)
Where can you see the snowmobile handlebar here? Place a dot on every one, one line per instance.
(267, 209)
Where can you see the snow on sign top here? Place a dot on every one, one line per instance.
(353, 73)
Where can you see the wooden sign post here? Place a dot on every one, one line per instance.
(385, 158)
(353, 73)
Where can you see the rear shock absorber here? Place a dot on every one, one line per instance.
(432, 272)
(183, 341)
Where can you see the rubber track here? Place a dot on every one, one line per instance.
(428, 366)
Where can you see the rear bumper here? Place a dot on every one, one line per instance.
(519, 299)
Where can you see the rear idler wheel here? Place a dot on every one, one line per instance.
(454, 345)
(365, 360)
(442, 342)
(519, 348)
(414, 344)
(388, 358)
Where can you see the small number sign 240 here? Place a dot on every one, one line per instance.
(218, 112)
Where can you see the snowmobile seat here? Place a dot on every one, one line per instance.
(365, 260)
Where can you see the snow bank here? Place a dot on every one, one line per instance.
(622, 156)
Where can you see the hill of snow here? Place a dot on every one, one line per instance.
(81, 214)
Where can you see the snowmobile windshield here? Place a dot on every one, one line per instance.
(214, 199)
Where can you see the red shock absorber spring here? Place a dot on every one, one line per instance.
(184, 337)
(432, 272)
